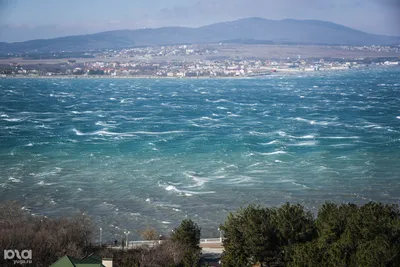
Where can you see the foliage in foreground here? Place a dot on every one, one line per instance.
(49, 239)
(345, 235)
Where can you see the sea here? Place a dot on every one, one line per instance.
(138, 153)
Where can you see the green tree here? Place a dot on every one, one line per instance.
(349, 235)
(188, 235)
(250, 237)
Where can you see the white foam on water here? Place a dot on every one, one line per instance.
(172, 188)
(340, 137)
(255, 133)
(279, 152)
(43, 183)
(13, 119)
(305, 143)
(309, 136)
(103, 132)
(282, 133)
(398, 117)
(301, 185)
(55, 171)
(158, 133)
(218, 101)
(270, 143)
(14, 180)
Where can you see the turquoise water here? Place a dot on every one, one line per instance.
(133, 152)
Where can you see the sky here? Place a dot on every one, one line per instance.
(22, 20)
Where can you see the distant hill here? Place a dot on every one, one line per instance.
(250, 30)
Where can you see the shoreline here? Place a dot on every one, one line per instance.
(278, 73)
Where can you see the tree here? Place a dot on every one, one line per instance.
(49, 239)
(149, 234)
(349, 235)
(188, 236)
(250, 237)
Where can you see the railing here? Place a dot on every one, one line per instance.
(210, 241)
(151, 243)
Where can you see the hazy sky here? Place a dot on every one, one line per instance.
(32, 19)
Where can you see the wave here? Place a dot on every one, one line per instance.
(305, 143)
(103, 132)
(217, 101)
(104, 124)
(13, 119)
(207, 119)
(398, 117)
(158, 133)
(255, 133)
(172, 188)
(340, 137)
(279, 152)
(82, 112)
(270, 143)
(308, 136)
(43, 183)
(313, 122)
(14, 180)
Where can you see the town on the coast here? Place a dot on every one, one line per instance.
(194, 61)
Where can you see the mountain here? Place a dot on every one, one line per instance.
(249, 30)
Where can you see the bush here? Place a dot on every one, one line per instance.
(345, 235)
(49, 239)
(187, 235)
(349, 235)
(265, 236)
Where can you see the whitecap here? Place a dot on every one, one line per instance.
(340, 137)
(14, 180)
(158, 133)
(301, 185)
(398, 117)
(43, 183)
(309, 136)
(13, 119)
(305, 143)
(279, 152)
(217, 101)
(103, 132)
(282, 133)
(270, 143)
(259, 133)
(172, 188)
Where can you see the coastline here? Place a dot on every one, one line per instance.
(278, 73)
